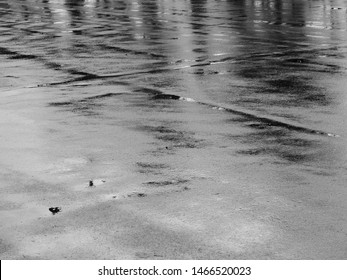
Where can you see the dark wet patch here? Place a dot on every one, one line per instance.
(298, 92)
(130, 51)
(199, 71)
(152, 104)
(273, 123)
(167, 182)
(180, 139)
(53, 65)
(156, 129)
(6, 51)
(61, 104)
(295, 84)
(115, 82)
(81, 85)
(85, 77)
(81, 107)
(200, 64)
(106, 95)
(291, 98)
(87, 110)
(199, 50)
(268, 134)
(78, 32)
(23, 56)
(85, 105)
(152, 165)
(279, 143)
(198, 32)
(167, 83)
(153, 168)
(297, 142)
(310, 63)
(90, 76)
(238, 120)
(82, 73)
(285, 74)
(251, 73)
(212, 72)
(252, 152)
(195, 144)
(297, 60)
(317, 98)
(172, 137)
(265, 131)
(149, 91)
(296, 157)
(258, 125)
(166, 96)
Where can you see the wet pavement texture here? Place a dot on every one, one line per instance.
(235, 108)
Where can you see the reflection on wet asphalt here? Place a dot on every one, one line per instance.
(245, 90)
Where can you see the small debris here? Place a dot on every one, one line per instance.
(138, 194)
(114, 196)
(54, 210)
(96, 182)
